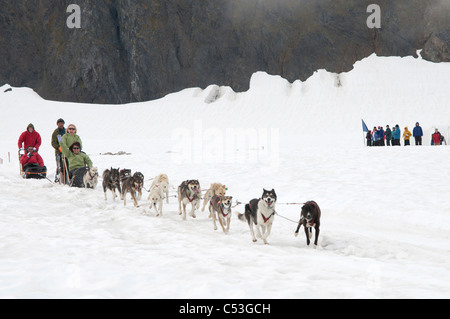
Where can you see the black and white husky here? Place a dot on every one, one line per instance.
(260, 212)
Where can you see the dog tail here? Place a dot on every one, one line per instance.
(240, 216)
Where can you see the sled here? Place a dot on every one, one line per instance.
(34, 171)
(77, 179)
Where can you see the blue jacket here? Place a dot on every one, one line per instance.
(396, 134)
(378, 135)
(417, 131)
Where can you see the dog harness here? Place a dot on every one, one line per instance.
(92, 176)
(188, 192)
(194, 196)
(222, 206)
(266, 219)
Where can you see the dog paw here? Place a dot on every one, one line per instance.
(296, 234)
(254, 240)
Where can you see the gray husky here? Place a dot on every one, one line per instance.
(260, 212)
(189, 192)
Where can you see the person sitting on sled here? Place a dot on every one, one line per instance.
(78, 161)
(32, 163)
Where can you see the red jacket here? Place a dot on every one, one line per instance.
(34, 158)
(30, 139)
(436, 138)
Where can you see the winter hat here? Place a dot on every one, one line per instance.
(74, 144)
(59, 121)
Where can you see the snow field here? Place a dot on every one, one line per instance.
(385, 211)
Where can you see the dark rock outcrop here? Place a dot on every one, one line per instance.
(137, 50)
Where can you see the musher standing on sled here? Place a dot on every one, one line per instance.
(57, 135)
(30, 138)
(67, 140)
(71, 137)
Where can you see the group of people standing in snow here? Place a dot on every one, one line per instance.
(66, 143)
(381, 137)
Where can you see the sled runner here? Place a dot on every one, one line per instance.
(64, 171)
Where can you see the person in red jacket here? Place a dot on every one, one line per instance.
(30, 158)
(30, 138)
(436, 137)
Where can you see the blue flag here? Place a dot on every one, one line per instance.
(364, 126)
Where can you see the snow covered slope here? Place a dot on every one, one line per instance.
(385, 211)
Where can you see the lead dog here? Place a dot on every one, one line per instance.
(222, 206)
(310, 217)
(111, 181)
(260, 212)
(189, 192)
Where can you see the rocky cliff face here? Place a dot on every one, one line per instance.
(137, 50)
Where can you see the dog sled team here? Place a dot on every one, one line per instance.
(259, 213)
(75, 168)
